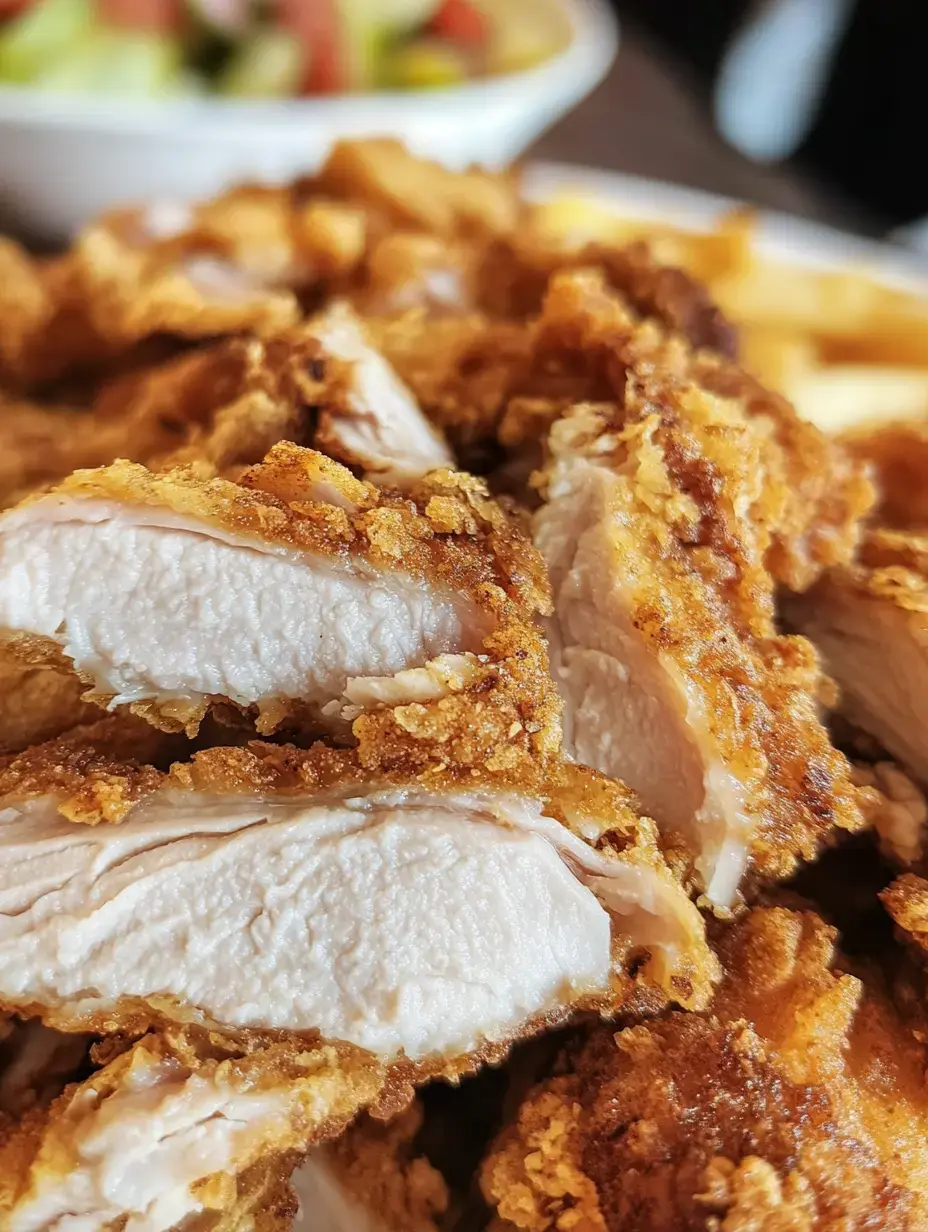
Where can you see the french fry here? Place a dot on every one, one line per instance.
(844, 346)
(842, 397)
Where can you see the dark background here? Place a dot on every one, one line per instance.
(864, 163)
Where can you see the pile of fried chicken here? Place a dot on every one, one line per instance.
(461, 738)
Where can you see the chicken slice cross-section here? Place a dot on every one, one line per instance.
(663, 640)
(796, 1102)
(870, 623)
(176, 1127)
(276, 592)
(372, 419)
(268, 888)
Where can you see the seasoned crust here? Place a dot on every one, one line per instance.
(898, 455)
(688, 544)
(87, 785)
(445, 530)
(809, 497)
(795, 1103)
(97, 771)
(320, 1088)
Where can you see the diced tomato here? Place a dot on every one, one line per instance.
(315, 23)
(13, 8)
(162, 16)
(461, 22)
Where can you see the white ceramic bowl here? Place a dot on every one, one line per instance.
(64, 158)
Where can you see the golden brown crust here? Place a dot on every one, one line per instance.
(97, 772)
(410, 192)
(810, 497)
(445, 530)
(322, 1088)
(898, 455)
(689, 550)
(796, 1103)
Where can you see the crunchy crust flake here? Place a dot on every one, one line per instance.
(796, 1103)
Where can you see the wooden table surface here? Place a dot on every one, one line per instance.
(647, 119)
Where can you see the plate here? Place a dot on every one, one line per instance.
(781, 237)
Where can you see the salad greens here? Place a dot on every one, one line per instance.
(268, 48)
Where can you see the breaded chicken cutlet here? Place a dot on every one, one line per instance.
(668, 513)
(176, 1127)
(795, 1103)
(298, 587)
(269, 888)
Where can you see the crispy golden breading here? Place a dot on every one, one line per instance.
(221, 407)
(97, 770)
(38, 703)
(47, 329)
(897, 809)
(197, 1113)
(898, 454)
(444, 532)
(869, 620)
(654, 529)
(659, 952)
(796, 1104)
(413, 193)
(810, 498)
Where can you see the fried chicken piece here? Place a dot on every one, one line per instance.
(169, 271)
(47, 330)
(797, 1102)
(898, 455)
(412, 193)
(655, 527)
(869, 622)
(38, 703)
(288, 590)
(430, 919)
(239, 261)
(179, 1125)
(372, 421)
(372, 1180)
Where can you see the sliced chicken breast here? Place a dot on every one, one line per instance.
(870, 623)
(172, 1129)
(663, 644)
(431, 921)
(172, 591)
(372, 419)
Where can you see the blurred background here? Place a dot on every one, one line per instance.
(814, 107)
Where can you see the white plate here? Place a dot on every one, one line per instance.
(68, 157)
(782, 237)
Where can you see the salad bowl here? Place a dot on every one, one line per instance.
(66, 157)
